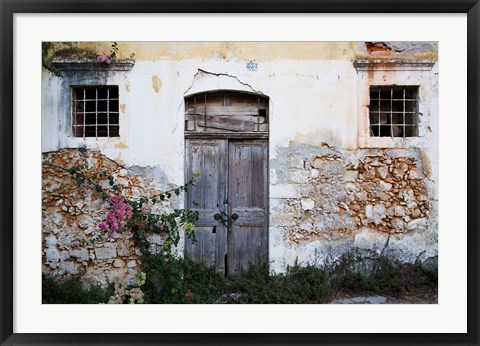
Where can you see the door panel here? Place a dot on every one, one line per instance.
(245, 248)
(204, 248)
(206, 197)
(247, 236)
(234, 180)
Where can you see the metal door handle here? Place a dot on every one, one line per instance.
(217, 217)
(234, 216)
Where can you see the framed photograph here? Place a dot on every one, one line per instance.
(241, 173)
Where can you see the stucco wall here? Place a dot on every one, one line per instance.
(317, 114)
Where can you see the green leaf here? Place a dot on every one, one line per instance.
(104, 196)
(168, 194)
(162, 197)
(177, 191)
(154, 200)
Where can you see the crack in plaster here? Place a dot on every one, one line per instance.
(213, 74)
(218, 75)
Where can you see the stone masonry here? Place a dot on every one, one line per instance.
(349, 199)
(71, 214)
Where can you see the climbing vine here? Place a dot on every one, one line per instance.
(47, 62)
(135, 214)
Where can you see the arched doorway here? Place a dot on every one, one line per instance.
(226, 140)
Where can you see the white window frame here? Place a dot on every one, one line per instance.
(389, 72)
(84, 73)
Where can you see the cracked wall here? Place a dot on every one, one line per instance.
(327, 194)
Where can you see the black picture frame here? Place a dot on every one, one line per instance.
(10, 7)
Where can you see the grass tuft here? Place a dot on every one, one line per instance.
(179, 281)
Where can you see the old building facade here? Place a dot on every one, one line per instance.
(307, 150)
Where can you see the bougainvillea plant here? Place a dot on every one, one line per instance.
(107, 58)
(139, 216)
(136, 214)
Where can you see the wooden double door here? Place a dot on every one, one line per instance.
(231, 197)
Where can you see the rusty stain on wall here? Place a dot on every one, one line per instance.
(377, 47)
(427, 166)
(396, 49)
(120, 146)
(156, 83)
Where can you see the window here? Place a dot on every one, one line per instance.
(95, 111)
(393, 111)
(226, 111)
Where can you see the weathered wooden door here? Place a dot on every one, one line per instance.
(231, 197)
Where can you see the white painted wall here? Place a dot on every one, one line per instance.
(304, 106)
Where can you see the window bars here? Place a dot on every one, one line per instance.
(95, 111)
(393, 111)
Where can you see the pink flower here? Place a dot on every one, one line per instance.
(117, 218)
(114, 227)
(116, 201)
(111, 218)
(120, 213)
(108, 61)
(103, 58)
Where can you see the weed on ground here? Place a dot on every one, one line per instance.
(179, 281)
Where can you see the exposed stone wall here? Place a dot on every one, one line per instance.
(324, 202)
(337, 200)
(71, 214)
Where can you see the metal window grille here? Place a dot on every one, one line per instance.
(95, 111)
(393, 111)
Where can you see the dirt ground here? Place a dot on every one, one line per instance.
(419, 295)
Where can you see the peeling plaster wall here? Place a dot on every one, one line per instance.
(316, 114)
(327, 201)
(228, 51)
(70, 217)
